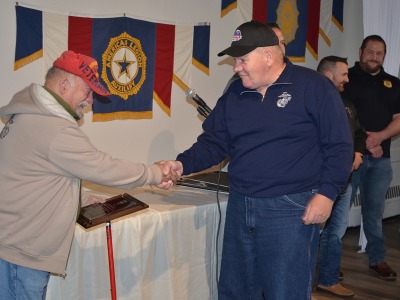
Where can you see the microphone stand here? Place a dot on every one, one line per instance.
(202, 111)
(202, 107)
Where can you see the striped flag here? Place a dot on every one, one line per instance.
(325, 20)
(138, 60)
(331, 12)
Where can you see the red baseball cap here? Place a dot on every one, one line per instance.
(83, 66)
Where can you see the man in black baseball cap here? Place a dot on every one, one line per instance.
(286, 133)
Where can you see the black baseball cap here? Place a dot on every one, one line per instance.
(249, 36)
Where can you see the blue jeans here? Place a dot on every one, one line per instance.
(21, 283)
(330, 243)
(373, 178)
(267, 250)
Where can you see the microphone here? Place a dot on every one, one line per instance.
(192, 94)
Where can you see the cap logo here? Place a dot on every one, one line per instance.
(124, 66)
(237, 36)
(90, 73)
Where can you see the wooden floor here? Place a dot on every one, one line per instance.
(354, 265)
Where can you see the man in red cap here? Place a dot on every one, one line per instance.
(44, 155)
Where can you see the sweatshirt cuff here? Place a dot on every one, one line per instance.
(155, 175)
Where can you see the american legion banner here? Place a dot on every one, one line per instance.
(301, 21)
(138, 59)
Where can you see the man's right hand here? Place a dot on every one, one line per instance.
(171, 171)
(376, 152)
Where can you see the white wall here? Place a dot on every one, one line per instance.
(162, 137)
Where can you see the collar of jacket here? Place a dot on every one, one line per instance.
(64, 104)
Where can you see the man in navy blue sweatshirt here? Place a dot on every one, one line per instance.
(286, 132)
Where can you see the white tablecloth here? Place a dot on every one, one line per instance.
(167, 251)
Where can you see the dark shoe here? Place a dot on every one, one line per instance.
(336, 289)
(383, 271)
(341, 277)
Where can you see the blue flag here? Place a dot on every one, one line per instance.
(291, 16)
(125, 50)
(337, 13)
(29, 44)
(201, 47)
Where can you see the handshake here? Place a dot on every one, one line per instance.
(171, 171)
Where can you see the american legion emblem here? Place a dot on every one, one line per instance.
(124, 66)
(287, 18)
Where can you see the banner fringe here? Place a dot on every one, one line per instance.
(28, 59)
(228, 9)
(325, 37)
(122, 115)
(311, 50)
(337, 23)
(200, 66)
(180, 83)
(162, 105)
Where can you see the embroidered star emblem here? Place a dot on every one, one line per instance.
(124, 65)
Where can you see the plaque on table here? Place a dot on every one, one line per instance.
(213, 181)
(114, 207)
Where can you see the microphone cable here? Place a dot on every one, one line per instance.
(218, 226)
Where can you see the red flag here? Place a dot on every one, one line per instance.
(313, 27)
(80, 35)
(260, 8)
(164, 66)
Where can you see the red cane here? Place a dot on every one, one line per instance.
(111, 261)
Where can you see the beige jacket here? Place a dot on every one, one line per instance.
(43, 156)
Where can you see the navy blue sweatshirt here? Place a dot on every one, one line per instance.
(294, 139)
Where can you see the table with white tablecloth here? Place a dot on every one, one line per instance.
(167, 251)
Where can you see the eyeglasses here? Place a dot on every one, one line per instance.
(87, 92)
(82, 87)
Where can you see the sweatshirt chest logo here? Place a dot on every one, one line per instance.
(283, 99)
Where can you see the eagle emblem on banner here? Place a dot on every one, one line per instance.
(124, 66)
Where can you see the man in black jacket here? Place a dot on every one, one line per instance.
(376, 95)
(330, 245)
